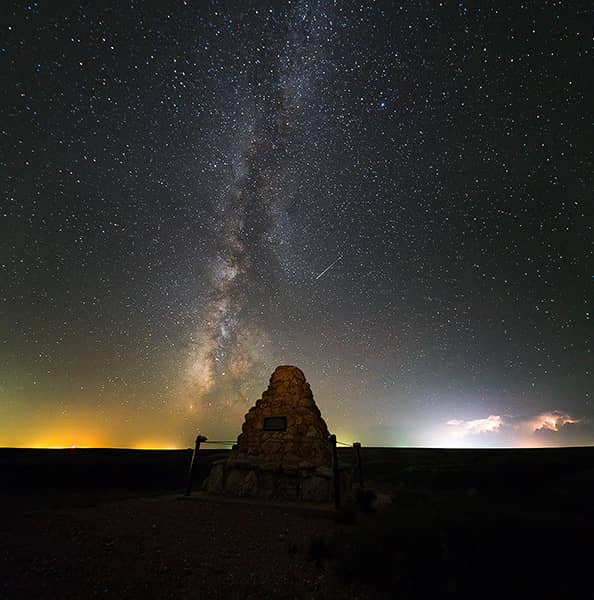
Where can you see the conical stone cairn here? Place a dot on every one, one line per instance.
(284, 450)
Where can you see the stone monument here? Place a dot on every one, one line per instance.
(284, 450)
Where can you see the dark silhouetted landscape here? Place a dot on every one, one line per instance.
(454, 523)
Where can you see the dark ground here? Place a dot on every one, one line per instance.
(453, 523)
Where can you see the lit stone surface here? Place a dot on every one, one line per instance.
(306, 437)
(294, 464)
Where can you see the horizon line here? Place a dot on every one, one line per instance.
(177, 449)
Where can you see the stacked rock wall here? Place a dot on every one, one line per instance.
(290, 464)
(306, 436)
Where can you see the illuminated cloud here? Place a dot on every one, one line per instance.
(511, 427)
(551, 421)
(490, 424)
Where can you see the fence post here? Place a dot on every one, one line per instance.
(357, 447)
(335, 472)
(191, 472)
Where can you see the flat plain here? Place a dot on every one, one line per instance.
(459, 523)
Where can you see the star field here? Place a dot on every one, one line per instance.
(176, 177)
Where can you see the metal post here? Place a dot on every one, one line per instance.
(357, 447)
(199, 440)
(335, 472)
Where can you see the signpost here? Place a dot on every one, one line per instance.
(199, 440)
(357, 447)
(335, 472)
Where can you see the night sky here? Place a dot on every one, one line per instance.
(396, 199)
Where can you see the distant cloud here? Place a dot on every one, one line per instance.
(552, 421)
(490, 424)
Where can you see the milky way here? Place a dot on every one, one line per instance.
(273, 82)
(394, 198)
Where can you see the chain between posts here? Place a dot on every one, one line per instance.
(200, 439)
(292, 441)
(220, 442)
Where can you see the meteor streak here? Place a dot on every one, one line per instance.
(328, 268)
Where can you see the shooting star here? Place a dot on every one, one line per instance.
(328, 268)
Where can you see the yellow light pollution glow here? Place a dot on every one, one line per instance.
(83, 429)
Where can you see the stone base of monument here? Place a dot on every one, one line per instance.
(280, 482)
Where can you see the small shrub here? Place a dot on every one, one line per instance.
(390, 554)
(321, 548)
(410, 499)
(347, 515)
(365, 499)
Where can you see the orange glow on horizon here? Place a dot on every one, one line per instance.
(60, 439)
(140, 446)
(154, 445)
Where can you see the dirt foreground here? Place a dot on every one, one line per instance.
(164, 547)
